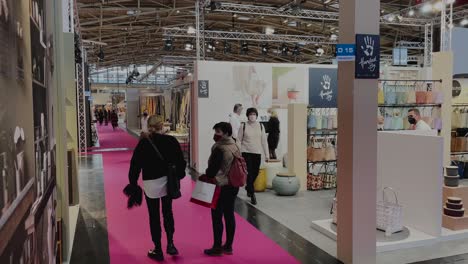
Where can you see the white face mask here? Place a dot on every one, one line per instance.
(252, 118)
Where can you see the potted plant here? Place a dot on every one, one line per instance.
(293, 93)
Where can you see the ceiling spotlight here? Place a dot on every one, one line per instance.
(411, 12)
(211, 46)
(178, 11)
(244, 48)
(227, 47)
(235, 15)
(265, 48)
(296, 51)
(101, 54)
(188, 46)
(191, 30)
(285, 21)
(334, 37)
(320, 52)
(309, 25)
(269, 30)
(168, 45)
(284, 50)
(426, 8)
(464, 22)
(390, 18)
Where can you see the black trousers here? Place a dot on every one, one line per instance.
(155, 218)
(225, 207)
(253, 162)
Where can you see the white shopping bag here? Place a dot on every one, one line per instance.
(205, 194)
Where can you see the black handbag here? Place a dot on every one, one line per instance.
(173, 182)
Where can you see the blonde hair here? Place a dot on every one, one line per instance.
(155, 124)
(273, 113)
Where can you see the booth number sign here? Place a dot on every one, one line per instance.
(203, 89)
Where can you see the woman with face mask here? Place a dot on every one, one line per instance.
(219, 165)
(253, 142)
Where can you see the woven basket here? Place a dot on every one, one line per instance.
(389, 214)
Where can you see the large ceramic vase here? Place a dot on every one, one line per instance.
(286, 184)
(272, 168)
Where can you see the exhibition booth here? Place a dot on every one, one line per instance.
(305, 98)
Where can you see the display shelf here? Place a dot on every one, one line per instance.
(459, 153)
(409, 105)
(324, 161)
(455, 223)
(322, 134)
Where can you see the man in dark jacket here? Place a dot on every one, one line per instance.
(155, 179)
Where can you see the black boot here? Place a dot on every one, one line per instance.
(253, 199)
(156, 254)
(171, 249)
(227, 250)
(214, 251)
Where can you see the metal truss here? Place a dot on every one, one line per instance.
(428, 44)
(446, 26)
(200, 28)
(389, 58)
(226, 35)
(415, 45)
(80, 89)
(303, 14)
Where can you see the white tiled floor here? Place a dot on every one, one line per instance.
(298, 212)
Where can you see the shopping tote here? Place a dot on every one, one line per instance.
(205, 194)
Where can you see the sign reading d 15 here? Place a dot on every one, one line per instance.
(367, 63)
(345, 52)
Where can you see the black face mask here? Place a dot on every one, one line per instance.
(412, 120)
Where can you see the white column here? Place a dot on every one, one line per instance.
(357, 149)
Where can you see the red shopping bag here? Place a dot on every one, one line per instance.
(206, 193)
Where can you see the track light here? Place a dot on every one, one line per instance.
(211, 46)
(320, 52)
(265, 48)
(411, 12)
(101, 54)
(464, 22)
(227, 47)
(284, 50)
(244, 48)
(296, 51)
(188, 45)
(427, 7)
(168, 45)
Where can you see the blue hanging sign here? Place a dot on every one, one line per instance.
(345, 52)
(367, 63)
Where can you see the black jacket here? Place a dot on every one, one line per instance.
(145, 158)
(273, 125)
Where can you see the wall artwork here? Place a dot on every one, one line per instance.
(323, 87)
(252, 85)
(27, 146)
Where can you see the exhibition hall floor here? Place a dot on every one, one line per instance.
(277, 230)
(109, 233)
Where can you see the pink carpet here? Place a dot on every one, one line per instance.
(108, 138)
(129, 234)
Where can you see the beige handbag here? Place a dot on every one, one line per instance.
(456, 119)
(330, 153)
(411, 97)
(315, 151)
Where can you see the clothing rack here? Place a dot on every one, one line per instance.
(325, 161)
(460, 105)
(413, 81)
(408, 105)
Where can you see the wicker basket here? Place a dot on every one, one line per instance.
(389, 214)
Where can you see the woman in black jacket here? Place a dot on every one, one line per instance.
(155, 180)
(273, 134)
